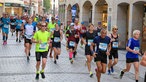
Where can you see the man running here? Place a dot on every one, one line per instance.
(77, 29)
(71, 40)
(133, 47)
(29, 30)
(18, 29)
(82, 32)
(103, 45)
(114, 49)
(56, 43)
(5, 28)
(51, 28)
(89, 36)
(41, 38)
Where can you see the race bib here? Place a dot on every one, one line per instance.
(89, 42)
(103, 46)
(56, 39)
(52, 29)
(115, 45)
(98, 33)
(6, 26)
(71, 43)
(12, 23)
(83, 31)
(43, 46)
(19, 24)
(136, 48)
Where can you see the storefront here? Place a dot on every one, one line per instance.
(13, 8)
(1, 8)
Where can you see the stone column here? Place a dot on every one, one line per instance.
(65, 21)
(81, 13)
(93, 15)
(130, 20)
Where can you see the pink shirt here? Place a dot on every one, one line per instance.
(77, 27)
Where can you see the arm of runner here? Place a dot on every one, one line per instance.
(143, 60)
(92, 51)
(83, 39)
(34, 39)
(128, 47)
(109, 49)
(61, 33)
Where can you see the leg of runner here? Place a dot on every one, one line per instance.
(136, 67)
(55, 54)
(58, 53)
(89, 59)
(113, 64)
(50, 49)
(16, 35)
(128, 66)
(20, 36)
(98, 71)
(44, 60)
(71, 55)
(27, 45)
(38, 59)
(109, 66)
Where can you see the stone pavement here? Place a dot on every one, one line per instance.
(15, 68)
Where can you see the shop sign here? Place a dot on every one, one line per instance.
(1, 4)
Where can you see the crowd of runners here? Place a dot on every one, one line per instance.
(47, 35)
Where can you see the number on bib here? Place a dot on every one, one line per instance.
(115, 45)
(71, 43)
(103, 46)
(89, 42)
(43, 46)
(56, 39)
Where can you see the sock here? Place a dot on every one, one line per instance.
(37, 72)
(3, 37)
(136, 80)
(42, 71)
(6, 38)
(70, 54)
(122, 72)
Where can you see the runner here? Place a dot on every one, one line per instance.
(114, 49)
(13, 24)
(143, 62)
(41, 38)
(103, 45)
(66, 29)
(133, 47)
(56, 43)
(83, 30)
(77, 29)
(18, 29)
(29, 30)
(51, 28)
(99, 28)
(43, 21)
(71, 40)
(5, 28)
(89, 36)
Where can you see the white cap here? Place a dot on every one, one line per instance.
(71, 24)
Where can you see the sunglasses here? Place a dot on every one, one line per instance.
(43, 25)
(115, 29)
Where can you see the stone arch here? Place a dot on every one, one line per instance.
(87, 12)
(123, 22)
(69, 12)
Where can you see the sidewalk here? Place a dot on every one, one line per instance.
(14, 67)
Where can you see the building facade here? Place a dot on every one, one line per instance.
(128, 15)
(1, 7)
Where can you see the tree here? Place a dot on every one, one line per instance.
(47, 5)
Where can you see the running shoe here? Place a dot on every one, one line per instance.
(71, 61)
(55, 62)
(37, 76)
(29, 54)
(57, 57)
(112, 69)
(121, 74)
(91, 74)
(17, 40)
(109, 72)
(43, 75)
(28, 58)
